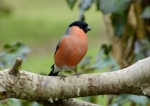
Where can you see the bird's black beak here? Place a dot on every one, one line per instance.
(87, 28)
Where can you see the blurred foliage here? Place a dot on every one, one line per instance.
(11, 52)
(17, 102)
(83, 5)
(146, 12)
(103, 60)
(86, 61)
(117, 7)
(114, 6)
(7, 58)
(142, 49)
(123, 99)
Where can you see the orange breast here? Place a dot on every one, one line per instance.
(72, 49)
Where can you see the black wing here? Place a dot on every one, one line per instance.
(57, 47)
(52, 73)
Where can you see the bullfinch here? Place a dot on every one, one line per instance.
(71, 48)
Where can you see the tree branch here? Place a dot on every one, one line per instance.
(30, 86)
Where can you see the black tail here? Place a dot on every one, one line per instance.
(52, 72)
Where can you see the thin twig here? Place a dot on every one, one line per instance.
(15, 69)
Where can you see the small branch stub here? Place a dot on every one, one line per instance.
(16, 67)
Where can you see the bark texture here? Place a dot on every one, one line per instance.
(30, 86)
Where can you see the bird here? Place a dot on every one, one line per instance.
(71, 48)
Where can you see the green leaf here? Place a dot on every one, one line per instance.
(107, 48)
(12, 47)
(114, 67)
(146, 12)
(14, 102)
(88, 98)
(7, 46)
(139, 56)
(121, 100)
(118, 8)
(35, 104)
(12, 51)
(17, 102)
(17, 44)
(106, 62)
(71, 3)
(97, 3)
(2, 65)
(86, 61)
(118, 22)
(103, 59)
(85, 4)
(142, 100)
(114, 6)
(141, 49)
(81, 15)
(100, 55)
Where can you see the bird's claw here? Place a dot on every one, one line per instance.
(77, 74)
(62, 77)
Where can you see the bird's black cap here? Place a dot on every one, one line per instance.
(81, 24)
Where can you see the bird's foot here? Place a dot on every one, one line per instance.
(77, 74)
(62, 77)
